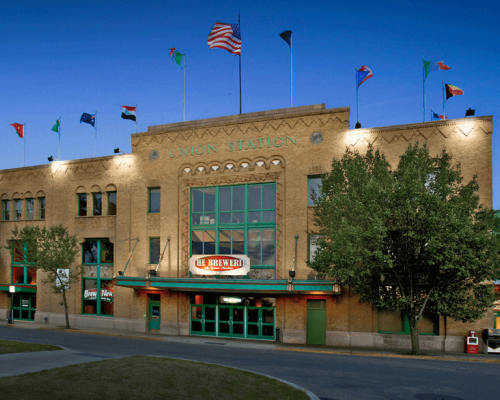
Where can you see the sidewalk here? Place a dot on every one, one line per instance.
(266, 345)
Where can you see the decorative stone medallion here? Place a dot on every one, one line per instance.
(316, 138)
(153, 155)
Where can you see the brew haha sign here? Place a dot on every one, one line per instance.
(219, 265)
(91, 294)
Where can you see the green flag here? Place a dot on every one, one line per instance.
(55, 128)
(176, 56)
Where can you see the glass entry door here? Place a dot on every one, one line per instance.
(24, 306)
(260, 323)
(232, 321)
(203, 319)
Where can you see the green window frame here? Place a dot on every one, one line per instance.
(17, 209)
(405, 325)
(97, 279)
(238, 219)
(41, 208)
(314, 184)
(96, 204)
(111, 203)
(21, 273)
(82, 204)
(30, 209)
(5, 210)
(154, 200)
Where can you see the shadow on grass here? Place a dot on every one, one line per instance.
(141, 377)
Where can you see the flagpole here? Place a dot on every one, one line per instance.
(291, 72)
(59, 132)
(444, 102)
(135, 117)
(239, 24)
(184, 109)
(423, 76)
(24, 138)
(357, 104)
(95, 130)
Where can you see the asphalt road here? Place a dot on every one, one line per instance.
(329, 376)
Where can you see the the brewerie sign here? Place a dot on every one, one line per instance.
(219, 265)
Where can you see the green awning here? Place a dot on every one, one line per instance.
(17, 288)
(231, 285)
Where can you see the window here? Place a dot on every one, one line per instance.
(397, 322)
(313, 246)
(314, 187)
(5, 210)
(82, 204)
(154, 200)
(41, 208)
(17, 209)
(97, 204)
(111, 203)
(154, 250)
(235, 220)
(97, 286)
(21, 273)
(30, 209)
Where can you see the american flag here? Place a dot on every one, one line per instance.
(225, 36)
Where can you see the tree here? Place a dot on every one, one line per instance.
(51, 250)
(411, 240)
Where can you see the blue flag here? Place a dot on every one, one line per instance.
(363, 74)
(88, 119)
(287, 37)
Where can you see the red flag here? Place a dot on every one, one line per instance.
(19, 129)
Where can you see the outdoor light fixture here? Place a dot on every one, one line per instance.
(117, 150)
(52, 159)
(120, 273)
(470, 112)
(291, 274)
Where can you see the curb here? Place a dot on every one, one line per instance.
(310, 394)
(388, 355)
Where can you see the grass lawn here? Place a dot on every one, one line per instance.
(142, 377)
(9, 346)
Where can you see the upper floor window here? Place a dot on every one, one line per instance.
(97, 251)
(30, 209)
(314, 183)
(82, 204)
(21, 273)
(313, 247)
(17, 209)
(241, 220)
(97, 204)
(111, 203)
(5, 210)
(154, 250)
(41, 208)
(154, 200)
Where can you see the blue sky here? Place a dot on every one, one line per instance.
(63, 58)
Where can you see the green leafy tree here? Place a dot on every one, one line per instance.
(411, 240)
(51, 250)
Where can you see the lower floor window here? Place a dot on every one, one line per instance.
(98, 295)
(397, 322)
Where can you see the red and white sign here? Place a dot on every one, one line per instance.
(205, 264)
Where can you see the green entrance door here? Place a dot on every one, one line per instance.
(232, 321)
(154, 315)
(260, 323)
(24, 306)
(316, 321)
(203, 319)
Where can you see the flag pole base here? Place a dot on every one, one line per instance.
(358, 125)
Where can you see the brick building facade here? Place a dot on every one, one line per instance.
(233, 186)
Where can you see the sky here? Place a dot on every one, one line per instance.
(64, 58)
